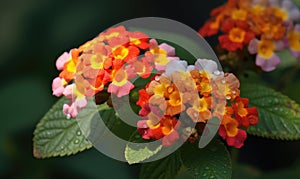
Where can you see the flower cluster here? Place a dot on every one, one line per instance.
(108, 62)
(200, 92)
(111, 61)
(263, 27)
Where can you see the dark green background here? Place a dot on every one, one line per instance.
(34, 33)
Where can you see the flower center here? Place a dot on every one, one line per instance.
(237, 35)
(265, 48)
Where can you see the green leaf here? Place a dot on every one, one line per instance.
(213, 161)
(137, 152)
(279, 116)
(163, 169)
(94, 121)
(55, 135)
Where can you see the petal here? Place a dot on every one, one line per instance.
(268, 64)
(173, 58)
(66, 109)
(297, 27)
(238, 140)
(253, 46)
(173, 66)
(206, 65)
(279, 45)
(73, 110)
(295, 54)
(143, 129)
(153, 43)
(62, 60)
(81, 103)
(169, 49)
(222, 132)
(170, 138)
(58, 86)
(68, 91)
(120, 90)
(190, 68)
(145, 110)
(70, 110)
(287, 4)
(294, 14)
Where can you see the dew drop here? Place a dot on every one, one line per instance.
(228, 97)
(157, 78)
(60, 148)
(68, 116)
(78, 133)
(76, 141)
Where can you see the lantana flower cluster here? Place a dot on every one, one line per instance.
(111, 61)
(262, 27)
(199, 92)
(108, 62)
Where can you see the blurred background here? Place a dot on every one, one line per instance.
(33, 33)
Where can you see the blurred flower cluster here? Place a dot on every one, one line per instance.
(261, 27)
(111, 62)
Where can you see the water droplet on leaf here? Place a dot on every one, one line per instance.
(78, 133)
(76, 141)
